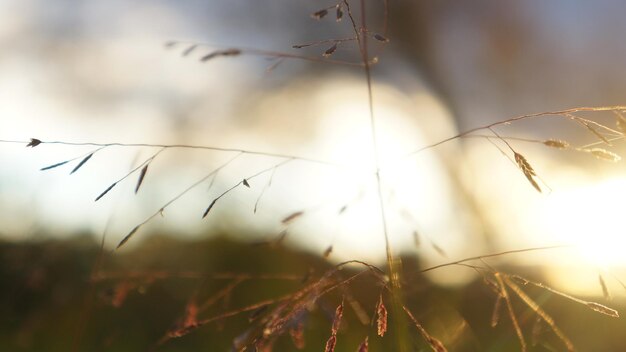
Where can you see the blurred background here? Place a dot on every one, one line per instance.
(101, 72)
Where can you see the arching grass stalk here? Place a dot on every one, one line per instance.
(394, 264)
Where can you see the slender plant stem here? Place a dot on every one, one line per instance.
(394, 267)
(181, 146)
(480, 257)
(517, 118)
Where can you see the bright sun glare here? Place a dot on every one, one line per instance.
(417, 191)
(590, 217)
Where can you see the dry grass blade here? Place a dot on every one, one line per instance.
(555, 143)
(214, 54)
(527, 169)
(331, 343)
(242, 182)
(433, 342)
(593, 130)
(81, 163)
(495, 315)
(318, 15)
(438, 249)
(330, 50)
(381, 320)
(105, 191)
(328, 251)
(509, 305)
(33, 142)
(291, 217)
(272, 67)
(364, 346)
(189, 50)
(142, 175)
(604, 154)
(332, 340)
(267, 185)
(339, 14)
(162, 209)
(524, 164)
(605, 289)
(540, 312)
(381, 38)
(55, 165)
(208, 209)
(603, 309)
(130, 234)
(593, 305)
(337, 318)
(85, 159)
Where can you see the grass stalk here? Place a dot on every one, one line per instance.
(394, 265)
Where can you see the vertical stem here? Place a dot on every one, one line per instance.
(393, 264)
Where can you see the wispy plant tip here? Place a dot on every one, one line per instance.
(130, 234)
(82, 162)
(33, 142)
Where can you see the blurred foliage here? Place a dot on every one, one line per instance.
(49, 302)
